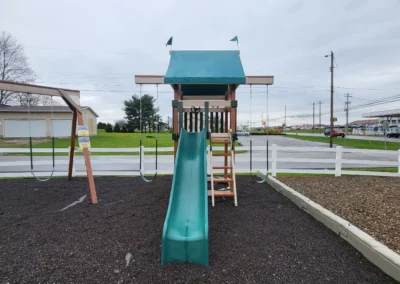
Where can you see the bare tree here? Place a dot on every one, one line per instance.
(47, 101)
(25, 99)
(14, 67)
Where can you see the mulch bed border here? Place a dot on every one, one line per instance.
(376, 252)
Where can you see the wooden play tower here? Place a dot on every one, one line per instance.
(204, 85)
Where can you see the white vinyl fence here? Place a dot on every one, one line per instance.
(337, 161)
(288, 157)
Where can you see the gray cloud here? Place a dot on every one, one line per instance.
(101, 45)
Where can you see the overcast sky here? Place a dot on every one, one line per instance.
(98, 46)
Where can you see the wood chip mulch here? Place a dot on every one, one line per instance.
(370, 203)
(266, 239)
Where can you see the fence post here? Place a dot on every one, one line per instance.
(141, 166)
(398, 159)
(338, 163)
(274, 156)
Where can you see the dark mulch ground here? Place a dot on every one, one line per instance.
(370, 203)
(266, 239)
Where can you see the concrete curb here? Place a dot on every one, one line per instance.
(379, 254)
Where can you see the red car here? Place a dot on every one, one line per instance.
(336, 133)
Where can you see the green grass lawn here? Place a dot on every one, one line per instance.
(316, 131)
(118, 140)
(104, 140)
(354, 143)
(107, 140)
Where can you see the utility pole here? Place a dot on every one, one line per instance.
(313, 117)
(347, 103)
(284, 130)
(331, 137)
(320, 103)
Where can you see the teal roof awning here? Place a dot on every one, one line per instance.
(205, 67)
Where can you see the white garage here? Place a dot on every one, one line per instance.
(61, 127)
(19, 128)
(46, 121)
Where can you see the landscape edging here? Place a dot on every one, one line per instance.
(376, 252)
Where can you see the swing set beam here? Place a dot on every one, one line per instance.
(67, 95)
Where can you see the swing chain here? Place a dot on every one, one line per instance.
(141, 153)
(31, 144)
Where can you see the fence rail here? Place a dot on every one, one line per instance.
(116, 150)
(334, 163)
(338, 161)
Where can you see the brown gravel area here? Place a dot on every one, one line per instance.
(370, 203)
(266, 239)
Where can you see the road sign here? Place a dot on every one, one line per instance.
(335, 119)
(385, 125)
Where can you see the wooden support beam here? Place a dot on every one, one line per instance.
(200, 103)
(203, 98)
(222, 167)
(175, 127)
(149, 79)
(233, 117)
(214, 109)
(260, 80)
(69, 101)
(35, 89)
(89, 171)
(72, 145)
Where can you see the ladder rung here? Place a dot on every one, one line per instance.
(222, 179)
(221, 154)
(222, 167)
(221, 193)
(221, 135)
(220, 142)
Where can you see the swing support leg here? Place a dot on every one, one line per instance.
(72, 148)
(89, 171)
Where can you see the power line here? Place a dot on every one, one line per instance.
(360, 106)
(367, 89)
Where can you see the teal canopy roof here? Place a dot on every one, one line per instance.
(205, 67)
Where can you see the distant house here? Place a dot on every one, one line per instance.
(42, 121)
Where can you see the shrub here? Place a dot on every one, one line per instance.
(109, 128)
(117, 128)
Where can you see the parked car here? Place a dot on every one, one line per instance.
(393, 132)
(336, 133)
(242, 133)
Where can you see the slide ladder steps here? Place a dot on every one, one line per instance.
(228, 176)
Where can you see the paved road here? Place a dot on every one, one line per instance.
(165, 163)
(372, 138)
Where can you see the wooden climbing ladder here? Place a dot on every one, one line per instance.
(229, 175)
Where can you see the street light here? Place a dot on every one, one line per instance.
(331, 137)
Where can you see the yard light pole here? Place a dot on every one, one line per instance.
(331, 137)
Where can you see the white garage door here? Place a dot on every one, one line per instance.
(18, 128)
(61, 127)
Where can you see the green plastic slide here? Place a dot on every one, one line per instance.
(185, 232)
